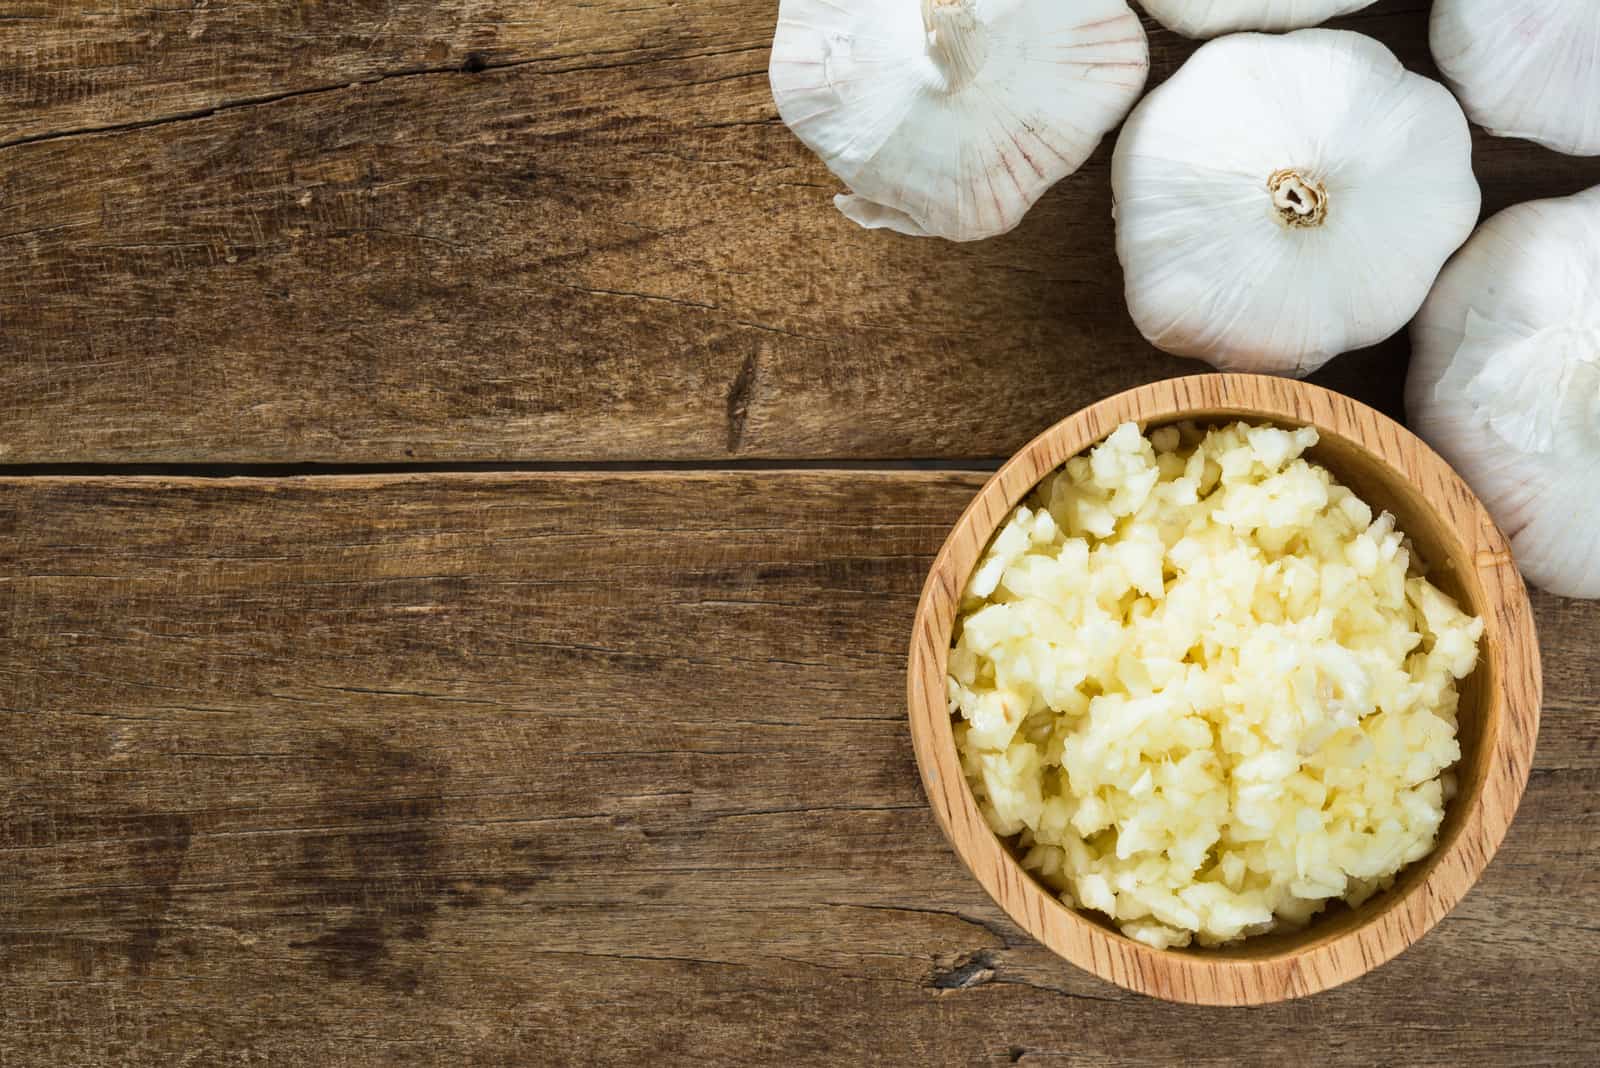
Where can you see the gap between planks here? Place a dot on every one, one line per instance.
(202, 471)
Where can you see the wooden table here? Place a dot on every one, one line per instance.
(466, 495)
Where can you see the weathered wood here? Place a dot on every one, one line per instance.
(70, 65)
(594, 769)
(562, 768)
(603, 246)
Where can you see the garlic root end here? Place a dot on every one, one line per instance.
(1298, 201)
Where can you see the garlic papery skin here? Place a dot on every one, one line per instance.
(1281, 200)
(1505, 382)
(1211, 18)
(1524, 68)
(950, 118)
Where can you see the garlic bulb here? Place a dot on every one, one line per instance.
(949, 118)
(1281, 200)
(1505, 382)
(1209, 18)
(1525, 68)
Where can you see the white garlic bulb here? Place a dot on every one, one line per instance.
(1505, 382)
(950, 118)
(1209, 18)
(1524, 68)
(1281, 200)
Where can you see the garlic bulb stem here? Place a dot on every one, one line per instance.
(955, 40)
(1297, 200)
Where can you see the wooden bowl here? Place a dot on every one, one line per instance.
(1499, 712)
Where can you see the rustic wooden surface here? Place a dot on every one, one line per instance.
(601, 245)
(576, 765)
(567, 768)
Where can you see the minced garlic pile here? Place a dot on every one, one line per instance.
(1196, 677)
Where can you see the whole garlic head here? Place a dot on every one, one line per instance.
(1524, 68)
(1210, 18)
(950, 118)
(1281, 200)
(1505, 382)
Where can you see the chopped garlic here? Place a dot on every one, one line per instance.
(1198, 680)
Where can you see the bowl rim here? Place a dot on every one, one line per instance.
(1509, 730)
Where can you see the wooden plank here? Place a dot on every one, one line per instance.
(68, 65)
(555, 769)
(610, 250)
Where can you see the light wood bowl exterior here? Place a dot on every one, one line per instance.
(1499, 715)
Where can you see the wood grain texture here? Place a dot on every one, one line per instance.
(575, 768)
(593, 769)
(478, 230)
(74, 65)
(1467, 556)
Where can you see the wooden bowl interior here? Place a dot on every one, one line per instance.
(1448, 565)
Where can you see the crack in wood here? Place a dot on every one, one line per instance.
(973, 969)
(740, 395)
(263, 99)
(474, 64)
(1006, 939)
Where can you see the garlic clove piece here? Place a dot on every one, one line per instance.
(1505, 382)
(1212, 18)
(1524, 68)
(1281, 200)
(950, 118)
